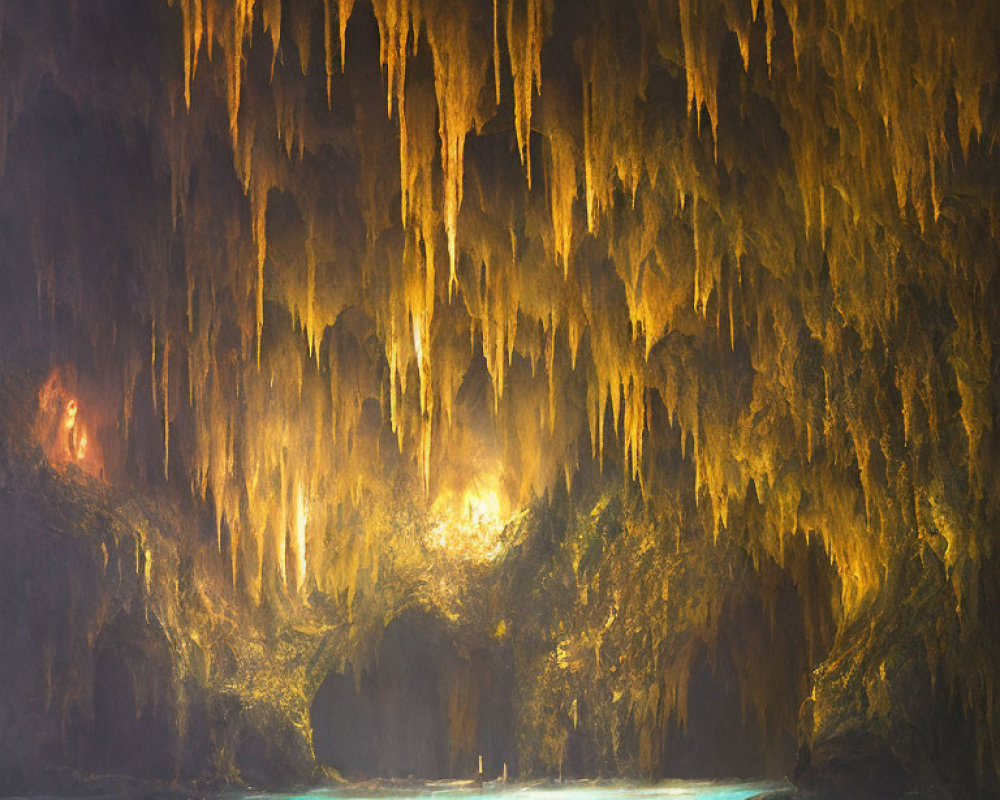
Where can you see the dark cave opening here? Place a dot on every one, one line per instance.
(722, 737)
(427, 707)
(133, 730)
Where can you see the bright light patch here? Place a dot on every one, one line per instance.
(63, 427)
(470, 525)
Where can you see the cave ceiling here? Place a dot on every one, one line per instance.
(329, 267)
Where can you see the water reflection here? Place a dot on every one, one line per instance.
(687, 790)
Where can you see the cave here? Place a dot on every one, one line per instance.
(415, 396)
(427, 708)
(132, 727)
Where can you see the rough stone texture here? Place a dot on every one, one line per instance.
(95, 679)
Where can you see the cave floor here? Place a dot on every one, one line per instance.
(574, 790)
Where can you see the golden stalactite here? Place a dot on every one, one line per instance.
(310, 318)
(259, 205)
(241, 22)
(191, 15)
(301, 34)
(165, 388)
(459, 75)
(152, 363)
(399, 22)
(701, 62)
(271, 19)
(496, 51)
(328, 48)
(562, 194)
(527, 28)
(344, 9)
(769, 23)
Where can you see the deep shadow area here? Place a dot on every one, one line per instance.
(133, 729)
(722, 737)
(427, 707)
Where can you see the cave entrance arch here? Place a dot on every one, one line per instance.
(133, 729)
(427, 706)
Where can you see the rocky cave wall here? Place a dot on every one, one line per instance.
(652, 343)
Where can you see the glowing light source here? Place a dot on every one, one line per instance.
(60, 425)
(470, 525)
(80, 450)
(69, 419)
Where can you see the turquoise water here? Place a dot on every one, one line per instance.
(681, 790)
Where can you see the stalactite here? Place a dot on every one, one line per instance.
(459, 74)
(301, 34)
(271, 16)
(398, 21)
(300, 519)
(152, 366)
(191, 12)
(310, 322)
(328, 48)
(496, 51)
(562, 193)
(344, 9)
(525, 36)
(259, 204)
(165, 387)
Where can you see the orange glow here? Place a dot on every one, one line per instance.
(69, 418)
(60, 427)
(80, 451)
